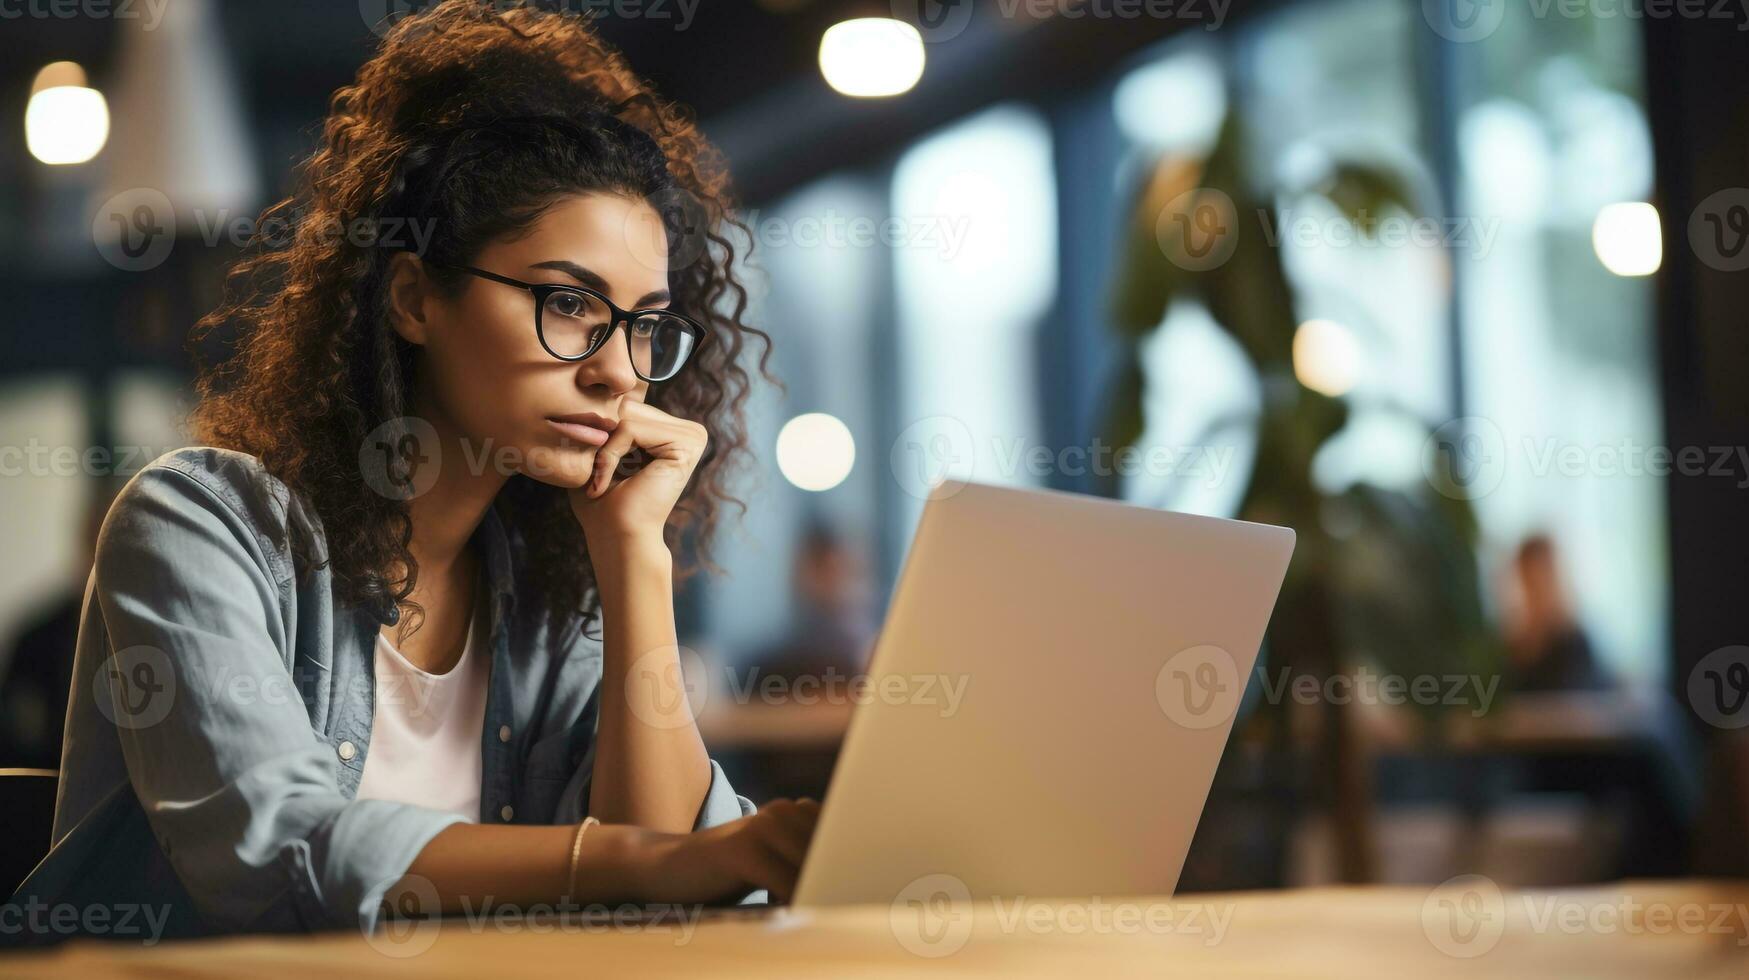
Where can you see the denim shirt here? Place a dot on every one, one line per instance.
(221, 715)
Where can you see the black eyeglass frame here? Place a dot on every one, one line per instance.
(542, 291)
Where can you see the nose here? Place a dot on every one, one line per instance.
(608, 371)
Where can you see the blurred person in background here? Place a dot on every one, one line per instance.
(38, 670)
(1549, 649)
(401, 635)
(832, 628)
(821, 659)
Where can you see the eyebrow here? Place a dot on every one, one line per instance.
(599, 284)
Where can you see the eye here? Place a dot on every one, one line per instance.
(566, 304)
(644, 326)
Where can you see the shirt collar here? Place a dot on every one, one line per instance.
(493, 544)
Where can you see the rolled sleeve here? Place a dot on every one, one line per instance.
(721, 803)
(218, 745)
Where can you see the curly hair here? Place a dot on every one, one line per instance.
(472, 118)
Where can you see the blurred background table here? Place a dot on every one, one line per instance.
(1626, 930)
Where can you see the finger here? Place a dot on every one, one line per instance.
(657, 433)
(786, 833)
(783, 882)
(798, 816)
(665, 436)
(619, 442)
(768, 870)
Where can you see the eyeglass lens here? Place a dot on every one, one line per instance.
(574, 323)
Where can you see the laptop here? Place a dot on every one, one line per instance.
(1047, 700)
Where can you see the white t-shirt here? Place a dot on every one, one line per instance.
(425, 739)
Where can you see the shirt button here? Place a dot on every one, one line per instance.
(347, 751)
(503, 733)
(507, 812)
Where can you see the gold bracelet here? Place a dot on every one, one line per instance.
(576, 852)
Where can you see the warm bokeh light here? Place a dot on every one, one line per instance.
(1629, 238)
(1326, 357)
(815, 451)
(65, 122)
(871, 57)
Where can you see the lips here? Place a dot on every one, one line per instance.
(586, 427)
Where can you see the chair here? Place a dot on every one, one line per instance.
(27, 819)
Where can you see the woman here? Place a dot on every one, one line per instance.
(408, 618)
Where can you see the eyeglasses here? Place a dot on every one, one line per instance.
(574, 322)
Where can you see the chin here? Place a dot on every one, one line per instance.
(567, 465)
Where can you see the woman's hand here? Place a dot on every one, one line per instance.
(636, 508)
(618, 862)
(764, 850)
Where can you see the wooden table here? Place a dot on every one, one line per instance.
(1630, 930)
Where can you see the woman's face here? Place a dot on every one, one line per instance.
(484, 377)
